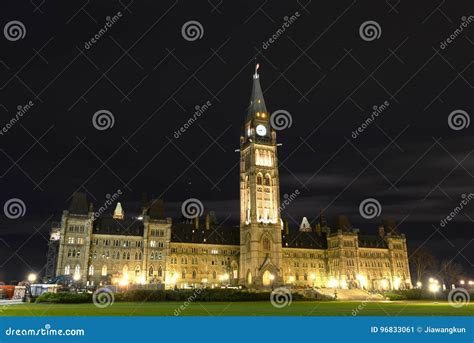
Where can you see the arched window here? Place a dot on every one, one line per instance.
(194, 274)
(91, 270)
(77, 270)
(160, 271)
(136, 255)
(104, 270)
(150, 271)
(124, 256)
(137, 271)
(259, 179)
(214, 275)
(268, 180)
(67, 269)
(183, 274)
(266, 244)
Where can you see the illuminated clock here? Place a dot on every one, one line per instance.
(261, 130)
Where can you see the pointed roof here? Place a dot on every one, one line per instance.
(257, 103)
(305, 226)
(118, 212)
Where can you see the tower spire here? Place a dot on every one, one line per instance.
(257, 108)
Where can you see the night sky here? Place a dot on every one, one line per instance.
(413, 158)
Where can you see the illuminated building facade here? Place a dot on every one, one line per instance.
(262, 252)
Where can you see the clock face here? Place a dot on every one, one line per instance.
(261, 130)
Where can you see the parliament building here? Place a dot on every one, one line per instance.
(262, 252)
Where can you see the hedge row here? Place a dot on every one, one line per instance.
(166, 295)
(418, 294)
(65, 298)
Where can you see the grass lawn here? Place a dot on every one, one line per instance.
(263, 308)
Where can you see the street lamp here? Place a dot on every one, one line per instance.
(462, 282)
(31, 277)
(418, 284)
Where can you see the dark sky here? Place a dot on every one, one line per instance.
(320, 70)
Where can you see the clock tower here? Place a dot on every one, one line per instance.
(260, 223)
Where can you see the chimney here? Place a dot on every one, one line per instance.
(322, 219)
(317, 229)
(196, 222)
(208, 221)
(381, 231)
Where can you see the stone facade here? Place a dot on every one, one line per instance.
(261, 252)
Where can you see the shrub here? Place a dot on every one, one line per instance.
(64, 298)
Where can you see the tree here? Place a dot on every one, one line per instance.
(450, 272)
(422, 261)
